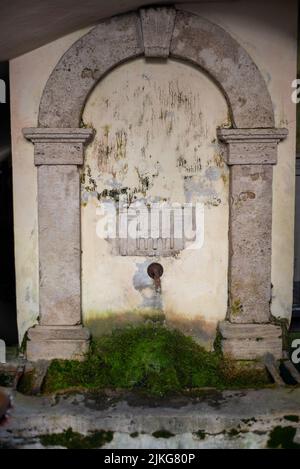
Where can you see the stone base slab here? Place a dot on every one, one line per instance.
(226, 419)
(251, 341)
(63, 342)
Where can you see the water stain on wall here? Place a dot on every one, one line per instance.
(155, 141)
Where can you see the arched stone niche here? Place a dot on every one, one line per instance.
(59, 150)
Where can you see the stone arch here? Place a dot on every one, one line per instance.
(251, 152)
(156, 33)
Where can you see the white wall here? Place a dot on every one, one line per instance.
(267, 30)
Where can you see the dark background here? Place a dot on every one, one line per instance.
(8, 326)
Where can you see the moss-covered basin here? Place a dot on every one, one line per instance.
(151, 358)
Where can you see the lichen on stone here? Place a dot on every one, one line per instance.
(73, 440)
(162, 434)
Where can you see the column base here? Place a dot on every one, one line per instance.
(251, 341)
(63, 342)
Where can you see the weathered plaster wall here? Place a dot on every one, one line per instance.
(269, 35)
(156, 141)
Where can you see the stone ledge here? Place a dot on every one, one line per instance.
(214, 419)
(251, 341)
(249, 331)
(56, 349)
(58, 333)
(63, 342)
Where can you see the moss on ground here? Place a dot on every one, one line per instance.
(73, 440)
(162, 434)
(200, 434)
(283, 437)
(25, 384)
(292, 418)
(6, 379)
(151, 358)
(234, 432)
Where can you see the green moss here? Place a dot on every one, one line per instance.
(284, 324)
(155, 317)
(251, 420)
(5, 379)
(236, 307)
(162, 434)
(233, 432)
(103, 322)
(73, 440)
(242, 374)
(292, 418)
(282, 437)
(218, 342)
(200, 434)
(22, 348)
(151, 358)
(134, 434)
(26, 383)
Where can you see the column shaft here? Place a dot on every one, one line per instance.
(59, 245)
(249, 331)
(250, 243)
(59, 334)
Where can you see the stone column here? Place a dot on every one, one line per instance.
(248, 332)
(57, 155)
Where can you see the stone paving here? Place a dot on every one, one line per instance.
(213, 419)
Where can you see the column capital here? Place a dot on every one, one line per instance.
(59, 135)
(251, 135)
(58, 146)
(252, 146)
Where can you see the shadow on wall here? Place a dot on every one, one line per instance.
(8, 319)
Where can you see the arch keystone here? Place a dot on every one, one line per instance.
(157, 29)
